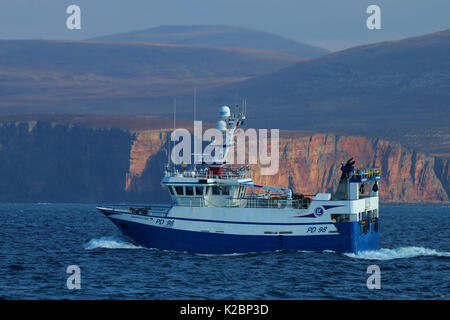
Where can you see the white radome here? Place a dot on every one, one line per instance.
(225, 111)
(221, 125)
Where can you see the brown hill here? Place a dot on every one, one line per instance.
(101, 77)
(218, 36)
(398, 90)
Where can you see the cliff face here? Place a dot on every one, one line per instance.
(442, 169)
(148, 157)
(312, 163)
(43, 161)
(146, 146)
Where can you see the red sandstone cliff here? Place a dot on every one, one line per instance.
(44, 161)
(146, 145)
(310, 163)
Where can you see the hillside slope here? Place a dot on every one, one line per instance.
(91, 77)
(218, 36)
(395, 90)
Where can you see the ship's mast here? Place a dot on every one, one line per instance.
(195, 116)
(227, 125)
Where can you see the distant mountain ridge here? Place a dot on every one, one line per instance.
(77, 76)
(389, 89)
(395, 90)
(218, 36)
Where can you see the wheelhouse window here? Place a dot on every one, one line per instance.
(171, 190)
(216, 190)
(189, 191)
(226, 190)
(199, 191)
(179, 190)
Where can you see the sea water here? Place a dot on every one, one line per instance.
(38, 242)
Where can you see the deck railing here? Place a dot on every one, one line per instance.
(248, 202)
(366, 173)
(191, 202)
(205, 174)
(276, 203)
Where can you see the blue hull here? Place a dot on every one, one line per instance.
(352, 237)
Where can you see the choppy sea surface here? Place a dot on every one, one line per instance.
(39, 241)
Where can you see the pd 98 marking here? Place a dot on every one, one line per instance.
(316, 229)
(162, 222)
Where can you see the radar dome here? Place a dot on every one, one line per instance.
(221, 125)
(225, 111)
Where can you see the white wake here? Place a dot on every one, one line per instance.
(397, 253)
(110, 243)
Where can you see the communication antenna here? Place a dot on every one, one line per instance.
(174, 113)
(195, 117)
(174, 120)
(195, 103)
(244, 106)
(235, 102)
(168, 151)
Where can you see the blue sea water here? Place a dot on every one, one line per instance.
(39, 241)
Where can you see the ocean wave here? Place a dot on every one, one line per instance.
(397, 253)
(110, 243)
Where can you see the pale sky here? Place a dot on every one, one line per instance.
(332, 24)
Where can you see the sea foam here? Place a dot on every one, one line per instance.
(397, 253)
(110, 243)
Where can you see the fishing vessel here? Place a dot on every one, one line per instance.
(214, 211)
